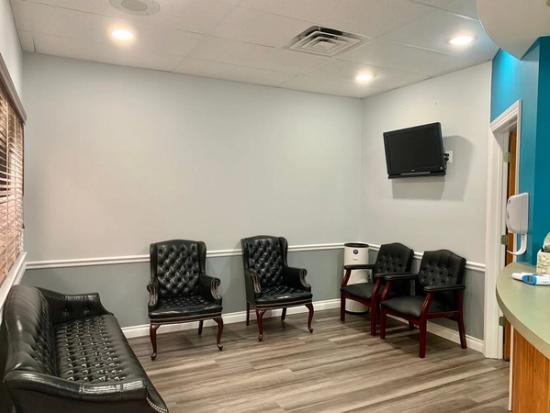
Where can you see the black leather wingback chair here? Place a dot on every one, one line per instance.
(270, 282)
(439, 293)
(391, 258)
(180, 291)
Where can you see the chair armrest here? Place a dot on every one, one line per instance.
(296, 278)
(68, 307)
(359, 267)
(255, 282)
(152, 288)
(135, 389)
(397, 276)
(208, 288)
(438, 288)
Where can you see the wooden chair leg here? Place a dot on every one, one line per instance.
(200, 327)
(373, 317)
(310, 317)
(422, 338)
(342, 308)
(153, 336)
(219, 321)
(259, 319)
(247, 314)
(461, 330)
(382, 324)
(283, 315)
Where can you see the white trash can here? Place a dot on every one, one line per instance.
(356, 253)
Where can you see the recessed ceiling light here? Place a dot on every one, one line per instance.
(461, 41)
(137, 7)
(123, 35)
(364, 77)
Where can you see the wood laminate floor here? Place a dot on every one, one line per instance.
(338, 368)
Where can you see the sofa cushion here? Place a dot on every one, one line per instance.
(94, 350)
(183, 306)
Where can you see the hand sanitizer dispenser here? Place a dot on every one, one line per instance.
(517, 219)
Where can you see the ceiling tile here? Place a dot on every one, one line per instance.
(435, 30)
(200, 16)
(236, 73)
(462, 7)
(260, 27)
(400, 56)
(367, 17)
(256, 56)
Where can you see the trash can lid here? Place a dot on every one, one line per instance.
(356, 245)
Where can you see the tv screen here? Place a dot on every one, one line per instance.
(415, 151)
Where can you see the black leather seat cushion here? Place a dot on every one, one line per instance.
(94, 350)
(184, 306)
(412, 305)
(361, 290)
(281, 294)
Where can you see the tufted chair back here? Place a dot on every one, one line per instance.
(394, 257)
(176, 266)
(265, 256)
(441, 268)
(27, 321)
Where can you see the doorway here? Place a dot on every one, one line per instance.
(502, 180)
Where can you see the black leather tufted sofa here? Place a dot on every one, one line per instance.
(270, 283)
(391, 258)
(180, 291)
(439, 293)
(66, 353)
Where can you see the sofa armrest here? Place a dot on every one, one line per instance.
(68, 307)
(208, 288)
(254, 281)
(55, 386)
(296, 278)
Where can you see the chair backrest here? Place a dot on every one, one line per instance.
(394, 257)
(440, 268)
(28, 332)
(265, 256)
(177, 265)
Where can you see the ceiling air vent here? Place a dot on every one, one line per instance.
(138, 7)
(325, 42)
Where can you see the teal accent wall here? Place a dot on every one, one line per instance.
(528, 80)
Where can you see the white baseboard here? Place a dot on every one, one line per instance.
(229, 318)
(240, 316)
(447, 333)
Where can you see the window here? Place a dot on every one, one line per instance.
(11, 183)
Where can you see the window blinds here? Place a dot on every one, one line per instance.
(11, 184)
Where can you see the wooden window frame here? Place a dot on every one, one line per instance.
(12, 122)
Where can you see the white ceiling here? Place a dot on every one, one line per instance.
(245, 40)
(515, 25)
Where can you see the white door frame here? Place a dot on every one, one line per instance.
(497, 179)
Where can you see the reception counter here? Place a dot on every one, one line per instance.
(527, 308)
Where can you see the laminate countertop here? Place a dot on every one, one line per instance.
(526, 307)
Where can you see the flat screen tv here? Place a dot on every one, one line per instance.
(416, 151)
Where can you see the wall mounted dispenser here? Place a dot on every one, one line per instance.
(517, 219)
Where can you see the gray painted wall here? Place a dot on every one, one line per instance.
(117, 158)
(129, 156)
(122, 286)
(433, 212)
